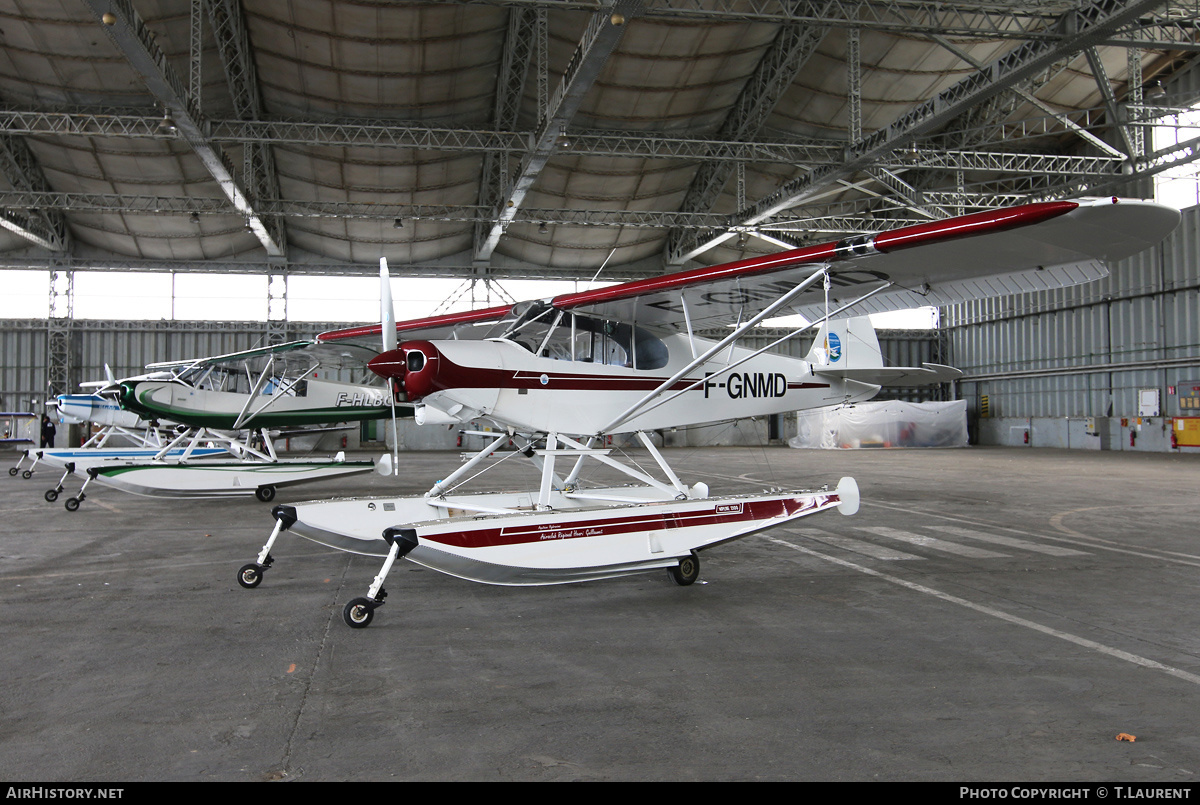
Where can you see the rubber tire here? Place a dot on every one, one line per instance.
(265, 493)
(687, 571)
(12, 470)
(27, 474)
(250, 576)
(359, 613)
(51, 495)
(72, 504)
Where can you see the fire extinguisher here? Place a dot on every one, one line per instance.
(459, 443)
(1174, 440)
(343, 442)
(1026, 437)
(1132, 437)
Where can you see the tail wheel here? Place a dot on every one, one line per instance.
(265, 493)
(359, 613)
(687, 571)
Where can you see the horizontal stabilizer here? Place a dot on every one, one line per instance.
(923, 375)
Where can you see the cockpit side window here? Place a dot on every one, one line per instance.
(616, 343)
(590, 340)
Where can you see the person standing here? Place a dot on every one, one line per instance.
(48, 431)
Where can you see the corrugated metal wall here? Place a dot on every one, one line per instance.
(1086, 351)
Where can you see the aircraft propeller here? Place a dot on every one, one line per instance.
(387, 320)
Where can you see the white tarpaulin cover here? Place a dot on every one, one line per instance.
(884, 424)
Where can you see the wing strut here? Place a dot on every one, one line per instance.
(687, 319)
(715, 348)
(769, 346)
(245, 417)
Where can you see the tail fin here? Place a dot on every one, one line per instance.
(843, 344)
(848, 348)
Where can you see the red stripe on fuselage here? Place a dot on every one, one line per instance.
(447, 374)
(738, 511)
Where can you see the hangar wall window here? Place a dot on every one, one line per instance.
(1178, 187)
(153, 296)
(24, 294)
(220, 297)
(137, 295)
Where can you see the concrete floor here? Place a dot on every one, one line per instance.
(991, 614)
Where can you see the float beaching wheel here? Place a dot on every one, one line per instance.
(250, 576)
(687, 571)
(359, 613)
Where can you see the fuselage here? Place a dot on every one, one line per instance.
(315, 402)
(507, 382)
(94, 408)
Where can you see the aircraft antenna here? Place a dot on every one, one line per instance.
(602, 265)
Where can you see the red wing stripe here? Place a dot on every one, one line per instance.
(609, 526)
(446, 320)
(890, 241)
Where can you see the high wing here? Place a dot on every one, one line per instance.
(450, 325)
(1015, 250)
(342, 355)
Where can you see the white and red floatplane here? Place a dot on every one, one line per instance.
(561, 375)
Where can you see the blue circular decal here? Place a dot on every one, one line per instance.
(834, 345)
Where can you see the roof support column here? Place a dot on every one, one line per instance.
(60, 363)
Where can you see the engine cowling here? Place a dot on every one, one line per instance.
(413, 365)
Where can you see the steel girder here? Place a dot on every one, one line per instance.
(43, 227)
(455, 266)
(599, 40)
(609, 144)
(525, 43)
(129, 33)
(1084, 27)
(1171, 26)
(229, 31)
(777, 70)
